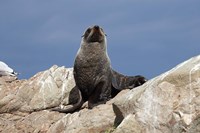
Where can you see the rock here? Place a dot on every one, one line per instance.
(24, 105)
(8, 79)
(44, 90)
(168, 103)
(98, 119)
(129, 125)
(28, 123)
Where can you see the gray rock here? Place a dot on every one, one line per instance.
(28, 123)
(22, 102)
(129, 125)
(19, 98)
(168, 103)
(98, 119)
(44, 90)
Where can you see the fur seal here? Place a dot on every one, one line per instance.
(94, 77)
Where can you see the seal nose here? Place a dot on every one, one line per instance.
(96, 27)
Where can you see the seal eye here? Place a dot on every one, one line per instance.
(87, 32)
(103, 32)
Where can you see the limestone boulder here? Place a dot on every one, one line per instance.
(46, 89)
(25, 104)
(169, 103)
(36, 122)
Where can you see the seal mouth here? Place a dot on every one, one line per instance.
(94, 34)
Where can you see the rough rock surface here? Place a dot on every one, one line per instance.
(168, 103)
(44, 90)
(24, 105)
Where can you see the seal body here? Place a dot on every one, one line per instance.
(92, 68)
(93, 74)
(95, 80)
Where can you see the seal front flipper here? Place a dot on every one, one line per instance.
(120, 82)
(70, 108)
(135, 81)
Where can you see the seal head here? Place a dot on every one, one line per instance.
(94, 34)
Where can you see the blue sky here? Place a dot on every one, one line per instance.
(146, 37)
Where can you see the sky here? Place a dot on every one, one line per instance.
(145, 37)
